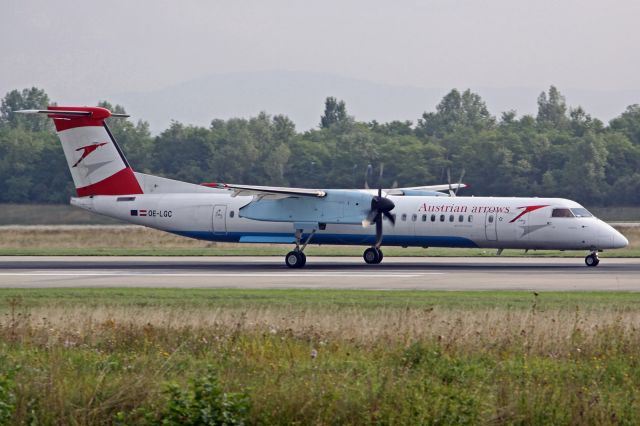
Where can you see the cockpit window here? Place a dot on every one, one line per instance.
(561, 213)
(581, 212)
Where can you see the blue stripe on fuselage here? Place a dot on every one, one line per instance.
(321, 238)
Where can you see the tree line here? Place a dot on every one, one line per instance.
(560, 152)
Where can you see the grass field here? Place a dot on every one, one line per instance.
(136, 240)
(147, 356)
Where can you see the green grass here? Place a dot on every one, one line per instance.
(250, 299)
(147, 356)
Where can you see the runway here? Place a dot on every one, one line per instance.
(395, 273)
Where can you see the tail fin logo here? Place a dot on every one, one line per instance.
(86, 150)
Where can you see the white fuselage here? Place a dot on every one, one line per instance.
(426, 221)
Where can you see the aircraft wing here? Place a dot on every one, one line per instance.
(442, 187)
(268, 192)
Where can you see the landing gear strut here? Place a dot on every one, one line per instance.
(373, 255)
(592, 259)
(297, 258)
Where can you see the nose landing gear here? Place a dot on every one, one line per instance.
(592, 259)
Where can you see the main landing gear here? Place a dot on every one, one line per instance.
(297, 258)
(592, 259)
(373, 255)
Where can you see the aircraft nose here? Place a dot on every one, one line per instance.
(609, 237)
(619, 240)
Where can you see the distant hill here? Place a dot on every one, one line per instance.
(300, 95)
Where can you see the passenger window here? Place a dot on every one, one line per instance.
(451, 218)
(232, 213)
(561, 213)
(461, 218)
(404, 217)
(470, 218)
(433, 218)
(414, 217)
(491, 219)
(441, 218)
(424, 217)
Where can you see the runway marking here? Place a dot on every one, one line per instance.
(227, 275)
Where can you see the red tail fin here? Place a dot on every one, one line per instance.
(96, 162)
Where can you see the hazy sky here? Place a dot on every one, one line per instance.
(84, 51)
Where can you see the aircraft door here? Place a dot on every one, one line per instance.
(219, 219)
(490, 223)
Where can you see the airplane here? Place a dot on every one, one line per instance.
(422, 216)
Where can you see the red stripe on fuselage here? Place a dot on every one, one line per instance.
(123, 182)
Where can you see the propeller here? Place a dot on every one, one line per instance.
(369, 172)
(380, 206)
(459, 182)
(452, 192)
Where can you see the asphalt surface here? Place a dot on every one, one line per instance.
(399, 273)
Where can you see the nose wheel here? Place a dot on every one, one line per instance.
(373, 255)
(592, 259)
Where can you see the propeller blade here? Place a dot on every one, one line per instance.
(367, 173)
(391, 217)
(371, 217)
(378, 231)
(451, 194)
(460, 181)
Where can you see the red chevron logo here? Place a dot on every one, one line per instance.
(86, 150)
(527, 209)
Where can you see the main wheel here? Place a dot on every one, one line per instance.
(303, 257)
(592, 260)
(295, 259)
(372, 256)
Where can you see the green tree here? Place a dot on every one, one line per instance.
(334, 113)
(456, 110)
(185, 153)
(552, 108)
(32, 98)
(628, 123)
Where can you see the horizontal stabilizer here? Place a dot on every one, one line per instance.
(65, 113)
